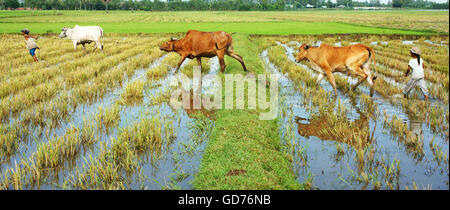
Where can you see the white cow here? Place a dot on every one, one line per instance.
(82, 35)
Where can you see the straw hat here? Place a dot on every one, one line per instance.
(415, 50)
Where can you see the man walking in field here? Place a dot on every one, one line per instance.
(416, 66)
(30, 43)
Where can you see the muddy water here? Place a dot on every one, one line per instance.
(333, 169)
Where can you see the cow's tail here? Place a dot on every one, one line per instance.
(101, 36)
(372, 54)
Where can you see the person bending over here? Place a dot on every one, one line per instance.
(416, 67)
(30, 43)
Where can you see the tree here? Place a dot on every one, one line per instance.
(106, 4)
(397, 3)
(12, 4)
(329, 4)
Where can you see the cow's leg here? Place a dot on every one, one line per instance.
(361, 80)
(319, 78)
(359, 72)
(183, 57)
(371, 83)
(370, 79)
(96, 45)
(222, 65)
(84, 47)
(199, 62)
(100, 45)
(365, 71)
(75, 45)
(238, 58)
(331, 79)
(221, 55)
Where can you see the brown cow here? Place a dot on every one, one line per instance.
(328, 59)
(197, 44)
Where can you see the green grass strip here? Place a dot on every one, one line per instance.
(243, 151)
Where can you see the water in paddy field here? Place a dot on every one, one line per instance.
(320, 157)
(173, 168)
(332, 164)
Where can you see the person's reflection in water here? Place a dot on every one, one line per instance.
(414, 144)
(415, 127)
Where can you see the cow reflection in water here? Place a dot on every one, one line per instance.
(189, 107)
(322, 128)
(354, 133)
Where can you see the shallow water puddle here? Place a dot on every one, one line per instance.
(408, 42)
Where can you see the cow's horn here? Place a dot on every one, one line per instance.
(173, 39)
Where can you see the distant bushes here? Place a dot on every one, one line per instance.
(158, 5)
(210, 5)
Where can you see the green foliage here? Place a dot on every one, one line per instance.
(11, 3)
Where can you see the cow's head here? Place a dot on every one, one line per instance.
(168, 46)
(302, 52)
(63, 32)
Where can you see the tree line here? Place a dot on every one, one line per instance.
(418, 4)
(201, 5)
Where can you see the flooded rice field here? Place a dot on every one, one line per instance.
(354, 141)
(106, 126)
(103, 120)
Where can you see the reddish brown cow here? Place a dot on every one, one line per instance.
(197, 44)
(328, 59)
